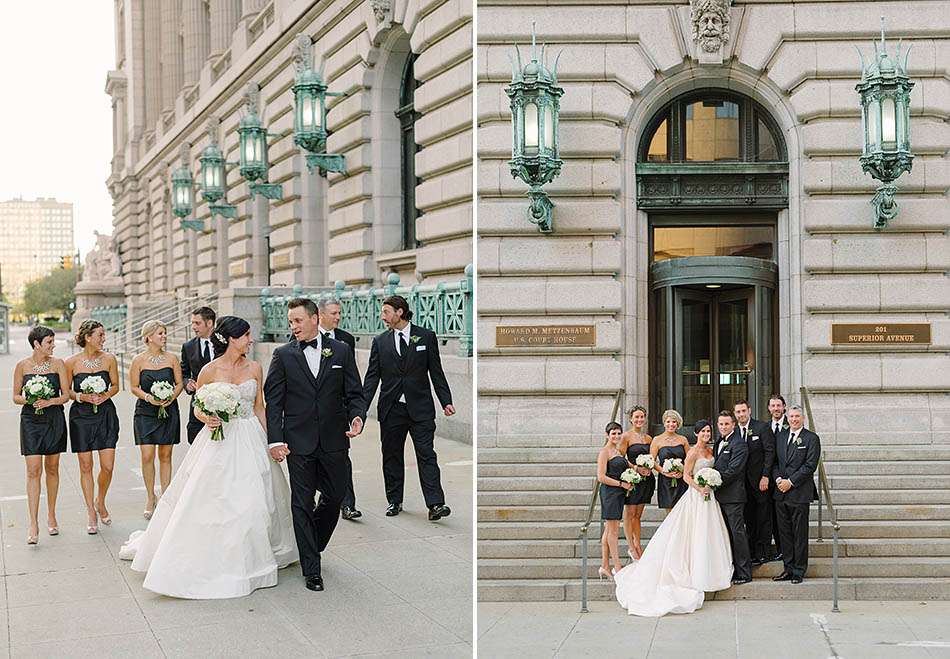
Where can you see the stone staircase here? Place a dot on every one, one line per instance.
(893, 506)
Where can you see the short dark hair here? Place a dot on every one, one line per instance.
(778, 397)
(306, 303)
(727, 413)
(741, 401)
(206, 313)
(38, 333)
(398, 302)
(699, 425)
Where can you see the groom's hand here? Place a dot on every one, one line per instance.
(764, 484)
(449, 410)
(356, 427)
(279, 452)
(783, 484)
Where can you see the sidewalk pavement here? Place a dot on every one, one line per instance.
(396, 587)
(742, 629)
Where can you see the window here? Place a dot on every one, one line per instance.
(407, 116)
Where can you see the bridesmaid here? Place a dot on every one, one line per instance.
(666, 445)
(638, 443)
(611, 463)
(90, 429)
(42, 435)
(151, 432)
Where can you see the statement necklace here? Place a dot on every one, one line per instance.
(42, 368)
(95, 363)
(156, 359)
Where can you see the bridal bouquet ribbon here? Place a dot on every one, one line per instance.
(673, 466)
(37, 388)
(162, 391)
(708, 477)
(646, 461)
(220, 400)
(631, 476)
(93, 385)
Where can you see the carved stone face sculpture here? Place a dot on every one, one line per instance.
(710, 20)
(710, 26)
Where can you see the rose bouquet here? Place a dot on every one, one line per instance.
(673, 466)
(94, 384)
(646, 461)
(162, 391)
(631, 476)
(37, 388)
(708, 477)
(220, 400)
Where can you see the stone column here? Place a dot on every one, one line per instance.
(172, 73)
(222, 252)
(153, 63)
(136, 71)
(313, 242)
(197, 38)
(225, 15)
(260, 227)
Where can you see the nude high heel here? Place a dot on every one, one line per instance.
(604, 574)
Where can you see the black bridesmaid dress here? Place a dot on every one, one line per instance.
(146, 425)
(88, 430)
(667, 495)
(612, 496)
(643, 491)
(43, 434)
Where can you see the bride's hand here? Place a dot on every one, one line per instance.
(705, 491)
(207, 419)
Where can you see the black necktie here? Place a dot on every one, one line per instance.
(791, 438)
(205, 353)
(743, 434)
(403, 346)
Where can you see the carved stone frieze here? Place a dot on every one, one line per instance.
(710, 27)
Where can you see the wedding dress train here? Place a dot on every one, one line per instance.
(688, 555)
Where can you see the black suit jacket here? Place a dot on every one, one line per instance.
(730, 463)
(191, 361)
(797, 463)
(761, 444)
(307, 412)
(345, 337)
(411, 379)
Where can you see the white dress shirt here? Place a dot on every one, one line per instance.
(312, 355)
(404, 332)
(327, 332)
(202, 343)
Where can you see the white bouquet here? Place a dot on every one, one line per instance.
(94, 385)
(162, 391)
(646, 461)
(708, 477)
(220, 400)
(631, 476)
(37, 388)
(674, 466)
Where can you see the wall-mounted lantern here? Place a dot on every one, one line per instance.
(535, 104)
(885, 118)
(253, 147)
(213, 174)
(310, 110)
(183, 194)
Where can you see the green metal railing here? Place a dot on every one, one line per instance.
(112, 318)
(447, 308)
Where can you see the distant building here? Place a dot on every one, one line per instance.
(34, 238)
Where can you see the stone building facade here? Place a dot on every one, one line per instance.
(181, 63)
(784, 74)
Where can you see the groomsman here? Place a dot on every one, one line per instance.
(797, 454)
(404, 358)
(329, 308)
(778, 424)
(195, 353)
(731, 454)
(758, 509)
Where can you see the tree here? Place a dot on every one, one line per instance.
(54, 292)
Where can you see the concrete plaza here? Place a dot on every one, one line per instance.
(395, 586)
(742, 629)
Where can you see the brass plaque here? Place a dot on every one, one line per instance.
(880, 333)
(512, 336)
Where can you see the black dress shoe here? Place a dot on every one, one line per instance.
(438, 512)
(393, 509)
(739, 582)
(785, 576)
(776, 557)
(350, 513)
(758, 561)
(315, 583)
(796, 579)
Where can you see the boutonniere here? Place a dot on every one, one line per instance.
(326, 352)
(414, 339)
(797, 441)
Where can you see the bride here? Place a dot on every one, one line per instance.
(689, 553)
(223, 527)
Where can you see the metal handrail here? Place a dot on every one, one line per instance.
(585, 527)
(824, 488)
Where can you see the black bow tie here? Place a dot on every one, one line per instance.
(315, 344)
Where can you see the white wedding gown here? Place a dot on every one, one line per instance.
(223, 527)
(688, 555)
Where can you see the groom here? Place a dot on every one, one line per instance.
(731, 454)
(312, 390)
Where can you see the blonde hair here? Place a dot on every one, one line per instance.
(673, 414)
(149, 327)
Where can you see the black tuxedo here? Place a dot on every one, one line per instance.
(731, 464)
(795, 461)
(312, 415)
(758, 509)
(349, 496)
(408, 376)
(775, 534)
(192, 361)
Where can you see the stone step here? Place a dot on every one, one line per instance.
(820, 589)
(857, 469)
(848, 548)
(851, 529)
(870, 468)
(934, 483)
(577, 513)
(818, 567)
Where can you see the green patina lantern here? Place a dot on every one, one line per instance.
(310, 110)
(885, 118)
(212, 180)
(183, 195)
(253, 147)
(535, 105)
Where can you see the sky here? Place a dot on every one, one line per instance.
(56, 117)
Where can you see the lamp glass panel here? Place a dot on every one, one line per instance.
(531, 128)
(548, 127)
(317, 112)
(888, 120)
(306, 111)
(871, 113)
